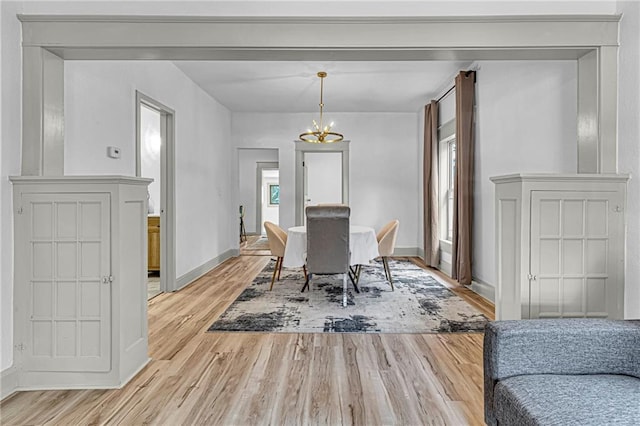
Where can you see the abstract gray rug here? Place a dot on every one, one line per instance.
(419, 304)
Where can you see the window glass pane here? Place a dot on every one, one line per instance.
(452, 162)
(450, 217)
(447, 170)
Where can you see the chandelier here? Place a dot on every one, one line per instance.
(321, 134)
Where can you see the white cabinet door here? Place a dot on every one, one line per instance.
(576, 254)
(65, 277)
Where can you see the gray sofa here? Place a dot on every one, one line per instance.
(562, 372)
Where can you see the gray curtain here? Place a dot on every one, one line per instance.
(430, 186)
(462, 244)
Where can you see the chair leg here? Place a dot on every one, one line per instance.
(352, 273)
(344, 290)
(352, 277)
(279, 267)
(306, 282)
(275, 271)
(304, 269)
(384, 268)
(387, 271)
(243, 232)
(358, 270)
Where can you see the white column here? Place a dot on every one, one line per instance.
(42, 113)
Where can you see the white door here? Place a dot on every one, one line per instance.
(65, 280)
(322, 178)
(576, 255)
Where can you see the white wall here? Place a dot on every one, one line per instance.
(629, 145)
(100, 111)
(447, 107)
(525, 122)
(247, 180)
(383, 171)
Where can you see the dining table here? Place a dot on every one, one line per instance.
(362, 244)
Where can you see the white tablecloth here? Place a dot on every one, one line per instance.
(362, 242)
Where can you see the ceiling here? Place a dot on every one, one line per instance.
(350, 86)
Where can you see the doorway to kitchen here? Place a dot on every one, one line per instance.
(155, 153)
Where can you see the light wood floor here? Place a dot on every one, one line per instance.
(247, 249)
(257, 378)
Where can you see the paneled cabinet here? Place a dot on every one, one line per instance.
(560, 246)
(80, 275)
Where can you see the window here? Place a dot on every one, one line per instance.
(274, 195)
(451, 167)
(447, 172)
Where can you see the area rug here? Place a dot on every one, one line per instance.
(419, 304)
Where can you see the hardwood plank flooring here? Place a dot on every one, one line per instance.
(200, 378)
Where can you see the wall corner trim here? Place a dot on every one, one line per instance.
(199, 271)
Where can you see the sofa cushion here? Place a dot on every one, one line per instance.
(544, 399)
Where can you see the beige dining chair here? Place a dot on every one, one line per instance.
(386, 238)
(277, 241)
(386, 245)
(328, 243)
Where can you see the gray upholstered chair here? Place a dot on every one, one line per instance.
(277, 241)
(562, 372)
(327, 242)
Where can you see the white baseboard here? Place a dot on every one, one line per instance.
(445, 267)
(8, 381)
(484, 289)
(478, 286)
(134, 373)
(406, 251)
(196, 273)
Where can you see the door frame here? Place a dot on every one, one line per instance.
(304, 147)
(260, 166)
(167, 186)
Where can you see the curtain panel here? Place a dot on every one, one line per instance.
(430, 186)
(462, 244)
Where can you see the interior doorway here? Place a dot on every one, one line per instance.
(258, 184)
(155, 159)
(267, 195)
(267, 208)
(322, 175)
(150, 144)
